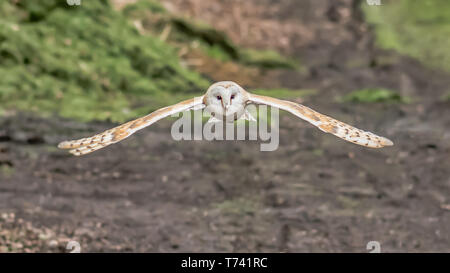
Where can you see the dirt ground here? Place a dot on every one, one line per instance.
(316, 193)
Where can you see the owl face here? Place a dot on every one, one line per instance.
(226, 100)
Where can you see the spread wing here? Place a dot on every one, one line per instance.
(325, 123)
(116, 134)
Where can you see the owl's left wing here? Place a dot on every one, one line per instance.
(325, 123)
(116, 134)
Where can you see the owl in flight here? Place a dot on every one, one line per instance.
(226, 100)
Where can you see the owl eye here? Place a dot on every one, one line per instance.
(219, 97)
(232, 96)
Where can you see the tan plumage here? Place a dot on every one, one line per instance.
(116, 134)
(326, 123)
(226, 99)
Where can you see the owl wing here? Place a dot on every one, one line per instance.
(325, 123)
(116, 134)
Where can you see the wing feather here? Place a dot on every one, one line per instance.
(325, 123)
(116, 134)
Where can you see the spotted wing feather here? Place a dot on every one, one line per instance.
(116, 134)
(325, 123)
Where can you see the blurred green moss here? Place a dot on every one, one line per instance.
(194, 30)
(6, 170)
(416, 28)
(140, 8)
(239, 206)
(372, 95)
(284, 93)
(266, 59)
(446, 97)
(217, 45)
(213, 42)
(86, 62)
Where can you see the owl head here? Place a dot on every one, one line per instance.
(226, 99)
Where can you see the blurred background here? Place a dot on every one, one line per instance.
(73, 68)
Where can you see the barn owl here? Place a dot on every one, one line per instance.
(226, 100)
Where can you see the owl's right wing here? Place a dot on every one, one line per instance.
(116, 134)
(325, 123)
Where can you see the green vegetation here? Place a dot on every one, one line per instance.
(208, 36)
(416, 28)
(266, 59)
(141, 8)
(372, 95)
(446, 97)
(214, 43)
(240, 206)
(89, 62)
(284, 93)
(6, 170)
(86, 62)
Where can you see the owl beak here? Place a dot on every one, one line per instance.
(225, 104)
